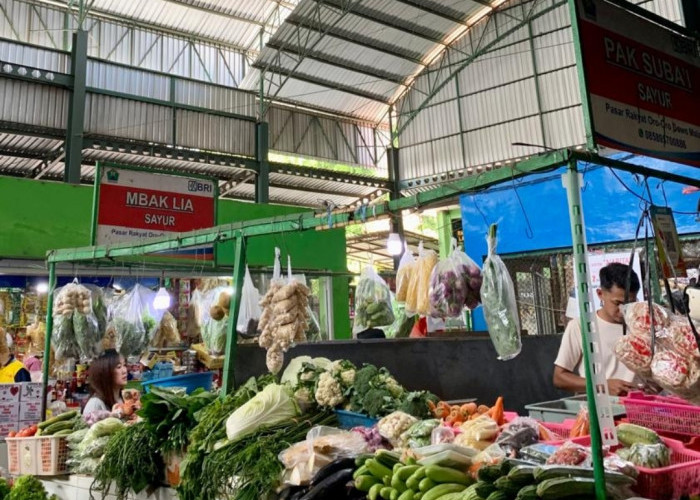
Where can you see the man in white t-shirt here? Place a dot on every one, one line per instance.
(569, 369)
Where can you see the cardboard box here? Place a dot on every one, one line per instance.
(9, 413)
(9, 393)
(30, 410)
(30, 391)
(23, 424)
(5, 429)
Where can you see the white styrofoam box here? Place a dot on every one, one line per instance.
(9, 413)
(5, 429)
(29, 410)
(9, 393)
(30, 391)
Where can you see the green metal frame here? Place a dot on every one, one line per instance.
(583, 87)
(76, 109)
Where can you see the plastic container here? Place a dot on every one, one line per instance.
(38, 456)
(350, 419)
(565, 408)
(663, 414)
(189, 382)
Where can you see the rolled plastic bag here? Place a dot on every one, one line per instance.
(500, 306)
(372, 302)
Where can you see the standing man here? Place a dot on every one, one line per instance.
(569, 370)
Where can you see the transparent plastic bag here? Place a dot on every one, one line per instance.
(133, 321)
(442, 435)
(491, 455)
(571, 453)
(76, 333)
(424, 268)
(500, 306)
(249, 311)
(638, 320)
(407, 266)
(521, 432)
(454, 283)
(372, 302)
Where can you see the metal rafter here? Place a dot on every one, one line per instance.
(218, 12)
(330, 175)
(351, 37)
(320, 56)
(437, 9)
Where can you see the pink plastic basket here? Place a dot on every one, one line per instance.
(663, 414)
(560, 431)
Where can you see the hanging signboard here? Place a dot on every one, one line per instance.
(135, 205)
(642, 81)
(667, 242)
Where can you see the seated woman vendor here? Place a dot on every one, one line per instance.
(569, 370)
(107, 377)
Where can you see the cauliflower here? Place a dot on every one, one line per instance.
(328, 391)
(347, 377)
(391, 385)
(393, 425)
(343, 370)
(304, 398)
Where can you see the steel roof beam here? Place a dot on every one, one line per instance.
(289, 73)
(330, 175)
(218, 12)
(350, 37)
(339, 62)
(379, 17)
(437, 9)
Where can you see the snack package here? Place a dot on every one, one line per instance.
(407, 266)
(372, 302)
(638, 320)
(571, 454)
(250, 311)
(634, 351)
(670, 369)
(500, 306)
(454, 283)
(682, 336)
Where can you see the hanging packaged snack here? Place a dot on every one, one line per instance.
(500, 306)
(285, 315)
(407, 266)
(454, 283)
(372, 302)
(638, 320)
(249, 311)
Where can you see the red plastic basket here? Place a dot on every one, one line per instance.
(560, 431)
(663, 414)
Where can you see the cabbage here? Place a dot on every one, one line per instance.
(105, 427)
(293, 368)
(273, 405)
(323, 363)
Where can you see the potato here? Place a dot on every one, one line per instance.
(217, 312)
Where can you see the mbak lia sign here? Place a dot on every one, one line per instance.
(643, 83)
(135, 205)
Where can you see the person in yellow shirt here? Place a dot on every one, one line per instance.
(11, 370)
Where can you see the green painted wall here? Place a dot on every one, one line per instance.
(38, 216)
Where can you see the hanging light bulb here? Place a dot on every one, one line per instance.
(161, 300)
(394, 244)
(42, 288)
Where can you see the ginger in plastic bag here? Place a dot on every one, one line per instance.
(500, 306)
(407, 266)
(372, 302)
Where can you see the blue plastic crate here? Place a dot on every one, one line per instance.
(350, 419)
(189, 382)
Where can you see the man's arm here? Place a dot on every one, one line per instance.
(567, 380)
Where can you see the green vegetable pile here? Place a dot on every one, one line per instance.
(25, 488)
(372, 302)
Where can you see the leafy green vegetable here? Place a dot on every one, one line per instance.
(416, 403)
(378, 401)
(29, 488)
(364, 377)
(214, 335)
(272, 406)
(4, 489)
(131, 462)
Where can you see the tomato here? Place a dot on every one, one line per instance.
(12, 434)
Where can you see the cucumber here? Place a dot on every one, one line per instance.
(397, 484)
(565, 487)
(387, 458)
(69, 415)
(528, 493)
(413, 481)
(498, 495)
(522, 475)
(506, 485)
(470, 493)
(385, 492)
(447, 475)
(394, 494)
(406, 495)
(57, 426)
(365, 483)
(64, 432)
(362, 471)
(443, 489)
(361, 459)
(377, 469)
(411, 461)
(489, 473)
(396, 467)
(569, 471)
(426, 484)
(407, 471)
(484, 489)
(373, 493)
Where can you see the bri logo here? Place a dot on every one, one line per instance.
(199, 187)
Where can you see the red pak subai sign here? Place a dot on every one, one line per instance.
(643, 82)
(136, 205)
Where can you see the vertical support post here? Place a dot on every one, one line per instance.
(95, 203)
(396, 220)
(47, 338)
(589, 335)
(444, 232)
(262, 180)
(173, 110)
(76, 108)
(228, 382)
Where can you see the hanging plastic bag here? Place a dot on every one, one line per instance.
(372, 302)
(454, 283)
(249, 311)
(500, 306)
(424, 268)
(76, 332)
(407, 266)
(133, 321)
(215, 308)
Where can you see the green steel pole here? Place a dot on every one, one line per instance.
(76, 109)
(47, 337)
(95, 203)
(262, 180)
(580, 248)
(228, 379)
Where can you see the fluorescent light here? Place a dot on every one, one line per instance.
(42, 287)
(394, 244)
(117, 287)
(161, 300)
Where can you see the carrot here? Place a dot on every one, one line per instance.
(481, 409)
(496, 412)
(432, 407)
(469, 408)
(545, 435)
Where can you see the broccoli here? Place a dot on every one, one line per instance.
(378, 401)
(416, 403)
(364, 377)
